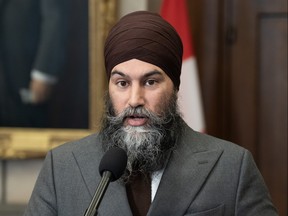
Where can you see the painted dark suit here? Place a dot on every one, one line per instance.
(33, 36)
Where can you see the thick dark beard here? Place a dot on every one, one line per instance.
(149, 146)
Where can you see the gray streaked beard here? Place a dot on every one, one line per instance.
(147, 146)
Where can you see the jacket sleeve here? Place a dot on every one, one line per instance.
(43, 198)
(252, 195)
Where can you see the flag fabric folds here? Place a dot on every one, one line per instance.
(190, 102)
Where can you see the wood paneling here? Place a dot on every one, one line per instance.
(205, 22)
(272, 105)
(241, 51)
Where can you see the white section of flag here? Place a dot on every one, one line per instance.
(190, 102)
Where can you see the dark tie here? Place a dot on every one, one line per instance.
(139, 194)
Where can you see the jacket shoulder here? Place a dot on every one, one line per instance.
(86, 144)
(203, 142)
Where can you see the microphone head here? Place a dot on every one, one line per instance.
(114, 161)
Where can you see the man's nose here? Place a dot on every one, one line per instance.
(136, 96)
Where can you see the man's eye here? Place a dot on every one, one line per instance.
(122, 83)
(150, 82)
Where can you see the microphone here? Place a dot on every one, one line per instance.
(111, 168)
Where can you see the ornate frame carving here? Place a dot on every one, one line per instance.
(24, 143)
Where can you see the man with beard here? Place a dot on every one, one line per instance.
(172, 170)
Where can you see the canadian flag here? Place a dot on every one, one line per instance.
(174, 11)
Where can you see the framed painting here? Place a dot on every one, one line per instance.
(25, 142)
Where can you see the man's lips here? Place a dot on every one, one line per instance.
(136, 120)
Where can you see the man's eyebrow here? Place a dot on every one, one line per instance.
(154, 72)
(118, 73)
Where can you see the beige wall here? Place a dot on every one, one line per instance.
(21, 177)
(17, 180)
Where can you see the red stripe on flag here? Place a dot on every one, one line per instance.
(174, 11)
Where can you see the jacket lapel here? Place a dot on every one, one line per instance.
(115, 201)
(183, 177)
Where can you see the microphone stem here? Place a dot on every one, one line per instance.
(103, 185)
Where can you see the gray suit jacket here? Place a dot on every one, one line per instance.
(204, 176)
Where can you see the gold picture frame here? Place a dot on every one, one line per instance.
(25, 143)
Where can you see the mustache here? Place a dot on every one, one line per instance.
(135, 112)
(138, 111)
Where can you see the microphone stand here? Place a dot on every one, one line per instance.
(100, 191)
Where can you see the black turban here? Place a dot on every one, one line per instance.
(145, 36)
